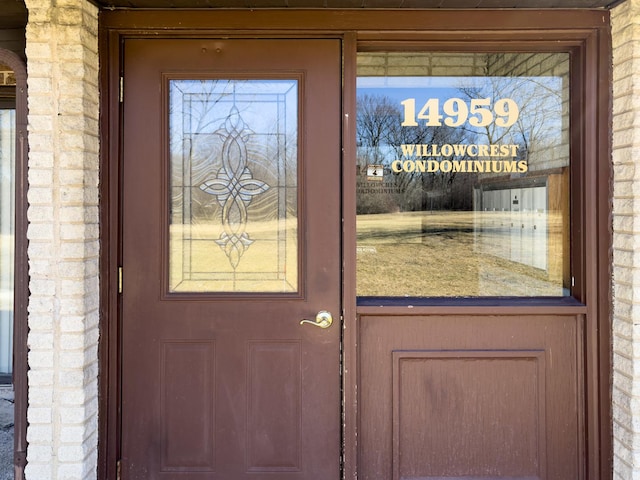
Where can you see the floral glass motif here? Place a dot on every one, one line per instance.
(234, 197)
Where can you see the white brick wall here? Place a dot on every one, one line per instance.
(407, 64)
(63, 235)
(626, 270)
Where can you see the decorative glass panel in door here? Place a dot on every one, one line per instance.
(234, 185)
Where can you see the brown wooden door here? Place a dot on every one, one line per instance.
(219, 378)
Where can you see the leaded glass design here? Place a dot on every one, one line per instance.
(234, 193)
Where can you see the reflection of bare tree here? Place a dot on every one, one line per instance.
(537, 131)
(380, 137)
(539, 123)
(194, 116)
(197, 109)
(377, 116)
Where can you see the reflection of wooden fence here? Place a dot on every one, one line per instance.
(528, 225)
(513, 225)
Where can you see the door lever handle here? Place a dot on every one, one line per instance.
(323, 320)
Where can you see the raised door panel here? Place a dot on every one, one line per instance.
(467, 398)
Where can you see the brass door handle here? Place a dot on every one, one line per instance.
(323, 320)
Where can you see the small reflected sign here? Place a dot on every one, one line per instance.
(375, 173)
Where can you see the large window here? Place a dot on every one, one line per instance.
(7, 218)
(463, 175)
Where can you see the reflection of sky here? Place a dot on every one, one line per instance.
(397, 95)
(423, 88)
(209, 115)
(262, 104)
(401, 88)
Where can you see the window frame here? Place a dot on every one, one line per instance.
(572, 258)
(583, 159)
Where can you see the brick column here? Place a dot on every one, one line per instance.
(63, 235)
(626, 241)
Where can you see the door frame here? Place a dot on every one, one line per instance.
(584, 33)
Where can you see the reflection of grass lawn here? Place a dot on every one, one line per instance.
(198, 262)
(399, 254)
(439, 254)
